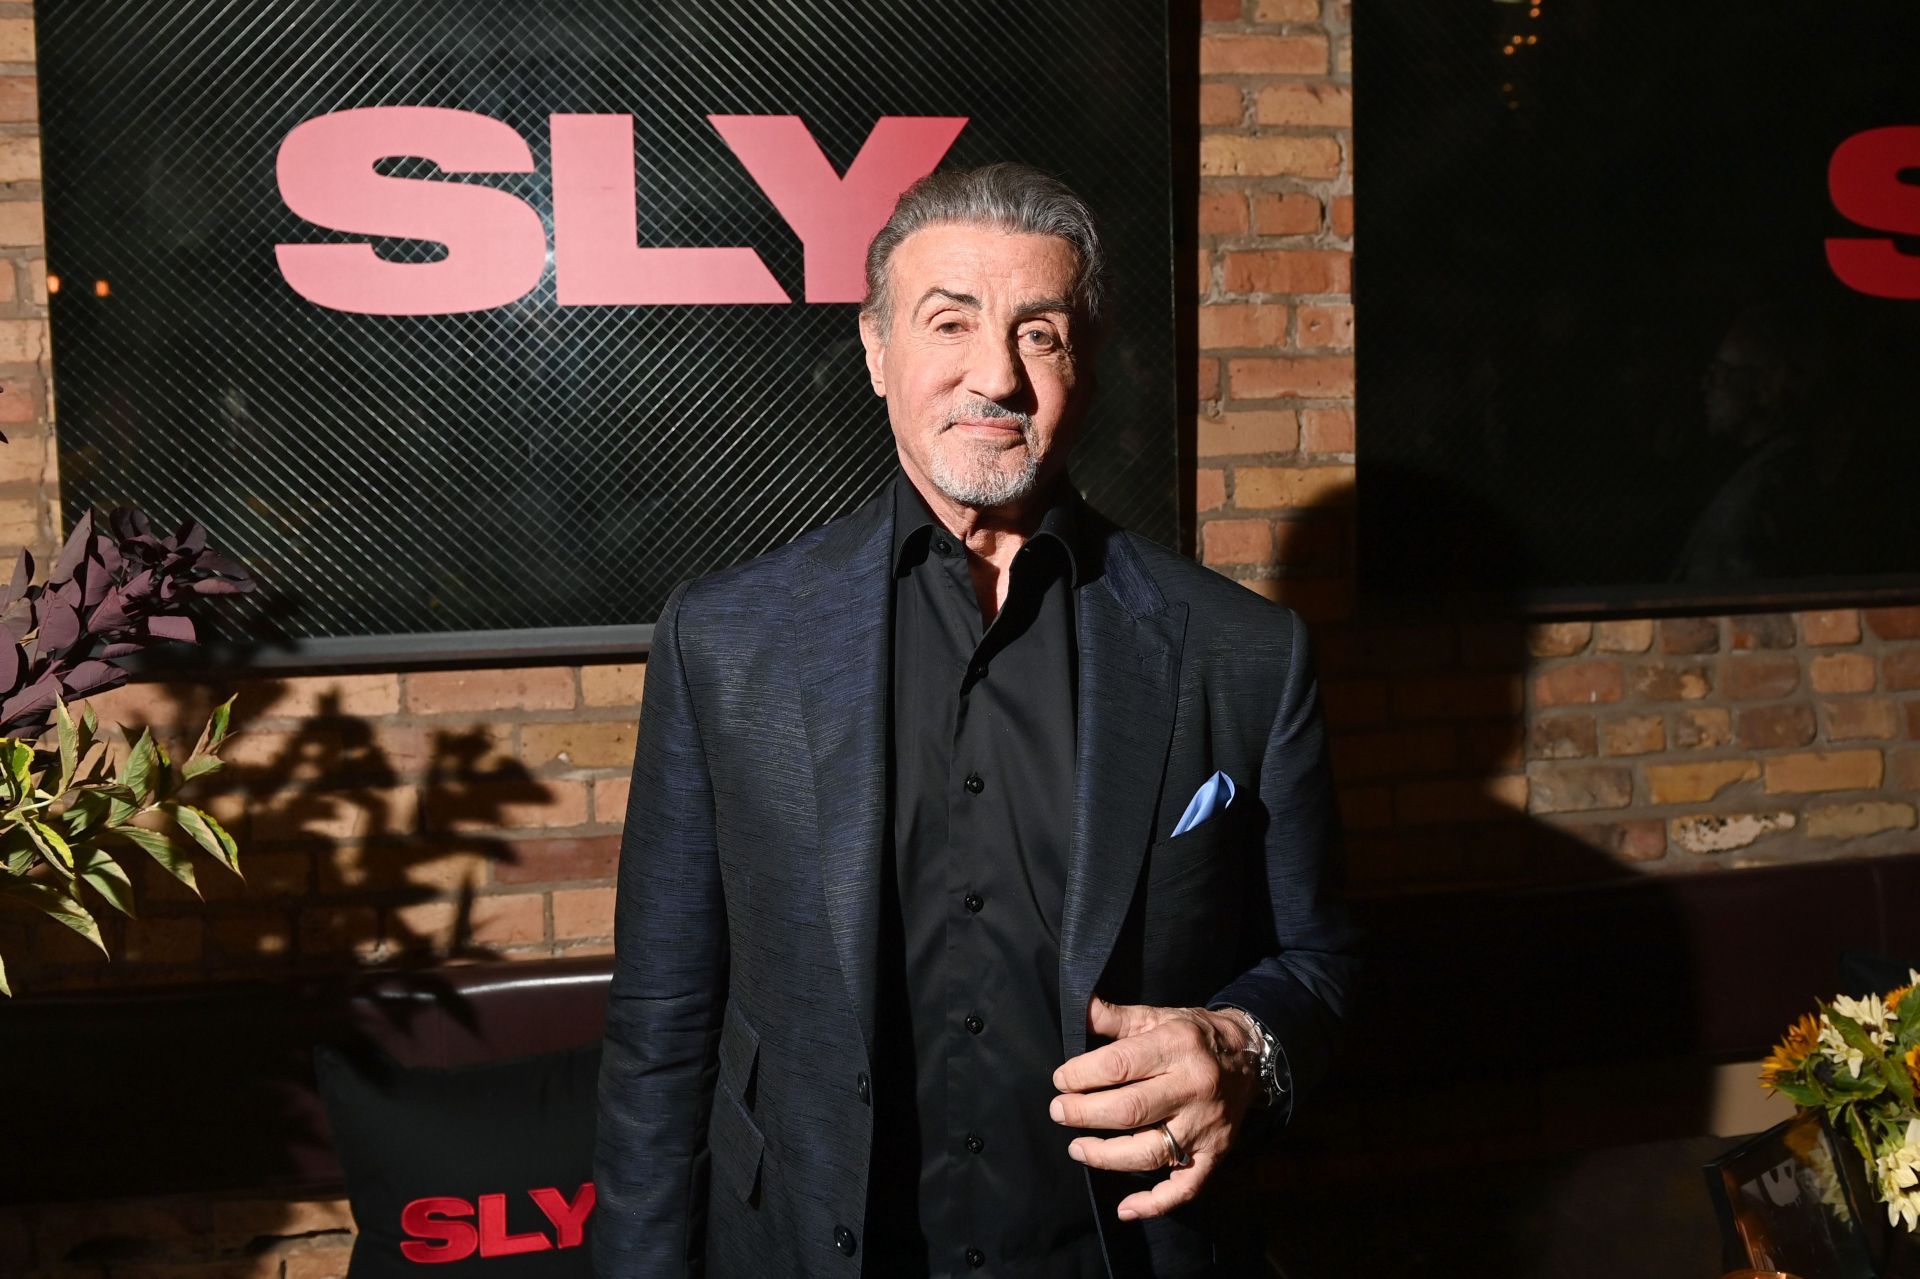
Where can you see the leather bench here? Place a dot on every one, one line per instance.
(208, 1089)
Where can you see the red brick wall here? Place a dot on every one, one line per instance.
(470, 813)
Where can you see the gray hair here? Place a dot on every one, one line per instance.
(1016, 198)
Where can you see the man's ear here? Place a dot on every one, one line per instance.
(874, 341)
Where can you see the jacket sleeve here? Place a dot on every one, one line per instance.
(1300, 984)
(668, 991)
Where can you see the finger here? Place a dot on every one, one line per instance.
(1117, 1021)
(1134, 1106)
(1120, 1062)
(1180, 1186)
(1141, 1151)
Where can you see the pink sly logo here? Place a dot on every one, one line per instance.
(496, 246)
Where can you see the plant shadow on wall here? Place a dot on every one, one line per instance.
(361, 848)
(1507, 995)
(349, 848)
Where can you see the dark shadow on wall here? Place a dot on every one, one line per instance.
(1530, 998)
(356, 852)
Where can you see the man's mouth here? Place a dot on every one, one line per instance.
(989, 427)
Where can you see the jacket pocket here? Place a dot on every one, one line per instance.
(736, 1145)
(1209, 847)
(739, 1053)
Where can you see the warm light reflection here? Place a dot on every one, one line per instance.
(100, 289)
(53, 282)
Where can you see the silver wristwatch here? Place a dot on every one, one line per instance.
(1269, 1064)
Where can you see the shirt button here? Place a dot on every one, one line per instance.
(974, 902)
(976, 1258)
(974, 783)
(978, 670)
(975, 1024)
(862, 1088)
(974, 1143)
(843, 1240)
(941, 546)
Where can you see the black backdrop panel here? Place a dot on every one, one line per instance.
(1607, 361)
(538, 465)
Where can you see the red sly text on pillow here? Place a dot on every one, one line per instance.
(440, 1230)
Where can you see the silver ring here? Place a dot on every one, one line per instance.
(1176, 1157)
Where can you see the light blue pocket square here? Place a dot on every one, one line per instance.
(1214, 795)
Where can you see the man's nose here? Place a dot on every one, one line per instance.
(994, 370)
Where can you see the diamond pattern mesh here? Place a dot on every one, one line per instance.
(538, 466)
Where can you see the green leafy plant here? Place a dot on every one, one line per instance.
(117, 588)
(70, 808)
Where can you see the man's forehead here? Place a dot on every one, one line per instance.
(967, 260)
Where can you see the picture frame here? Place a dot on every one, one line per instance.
(1793, 1199)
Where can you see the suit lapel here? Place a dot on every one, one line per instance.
(1130, 642)
(844, 613)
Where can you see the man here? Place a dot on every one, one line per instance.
(914, 975)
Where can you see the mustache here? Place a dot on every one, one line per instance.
(989, 409)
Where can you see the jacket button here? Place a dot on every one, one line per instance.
(974, 1023)
(863, 1088)
(843, 1240)
(974, 1143)
(974, 783)
(976, 1258)
(974, 902)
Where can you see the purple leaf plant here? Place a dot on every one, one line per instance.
(113, 591)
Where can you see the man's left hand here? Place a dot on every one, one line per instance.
(1187, 1068)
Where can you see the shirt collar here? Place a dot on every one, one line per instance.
(1061, 527)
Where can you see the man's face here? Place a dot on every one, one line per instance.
(1744, 386)
(979, 365)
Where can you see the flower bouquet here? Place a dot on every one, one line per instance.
(1859, 1061)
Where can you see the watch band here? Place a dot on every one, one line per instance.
(1268, 1053)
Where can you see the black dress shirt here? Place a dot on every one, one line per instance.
(970, 1175)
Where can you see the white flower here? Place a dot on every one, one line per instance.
(1872, 1015)
(1898, 1170)
(1837, 1049)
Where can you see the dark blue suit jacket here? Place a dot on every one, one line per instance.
(735, 1133)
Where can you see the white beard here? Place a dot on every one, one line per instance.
(970, 475)
(977, 482)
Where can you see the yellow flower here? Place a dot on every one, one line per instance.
(1791, 1053)
(1913, 1066)
(1895, 996)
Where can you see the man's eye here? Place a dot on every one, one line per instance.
(947, 327)
(1039, 339)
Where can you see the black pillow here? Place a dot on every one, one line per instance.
(480, 1170)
